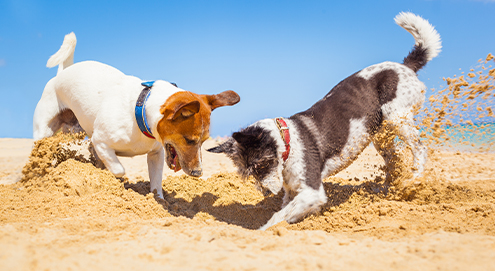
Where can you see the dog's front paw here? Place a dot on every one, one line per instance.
(274, 185)
(271, 225)
(264, 227)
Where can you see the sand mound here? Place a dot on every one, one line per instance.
(50, 152)
(75, 189)
(56, 184)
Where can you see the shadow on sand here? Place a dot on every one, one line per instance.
(253, 216)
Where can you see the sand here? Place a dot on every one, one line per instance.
(59, 210)
(79, 217)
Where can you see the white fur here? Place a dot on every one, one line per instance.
(310, 125)
(291, 175)
(357, 140)
(104, 99)
(409, 93)
(370, 71)
(308, 200)
(295, 165)
(409, 89)
(398, 113)
(274, 181)
(423, 32)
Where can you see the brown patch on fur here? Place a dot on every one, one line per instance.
(186, 123)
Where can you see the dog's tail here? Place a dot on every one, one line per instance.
(64, 57)
(428, 44)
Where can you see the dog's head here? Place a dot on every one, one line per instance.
(185, 126)
(254, 152)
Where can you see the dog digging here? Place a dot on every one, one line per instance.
(448, 199)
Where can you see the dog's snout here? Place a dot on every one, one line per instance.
(197, 173)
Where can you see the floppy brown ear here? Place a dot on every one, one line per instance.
(185, 110)
(227, 97)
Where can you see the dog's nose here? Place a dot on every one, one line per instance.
(197, 173)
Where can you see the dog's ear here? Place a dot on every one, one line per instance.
(242, 138)
(218, 149)
(227, 97)
(247, 137)
(185, 110)
(226, 147)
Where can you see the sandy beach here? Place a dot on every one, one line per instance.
(74, 216)
(166, 65)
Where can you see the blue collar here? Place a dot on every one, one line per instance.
(140, 110)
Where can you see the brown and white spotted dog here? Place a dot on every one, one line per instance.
(330, 135)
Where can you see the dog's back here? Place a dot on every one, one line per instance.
(86, 87)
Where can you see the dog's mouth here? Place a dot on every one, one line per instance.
(172, 158)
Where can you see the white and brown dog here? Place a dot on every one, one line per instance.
(298, 152)
(126, 117)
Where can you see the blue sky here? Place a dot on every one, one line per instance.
(280, 56)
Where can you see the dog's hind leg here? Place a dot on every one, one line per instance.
(45, 120)
(410, 135)
(109, 158)
(386, 145)
(69, 124)
(307, 201)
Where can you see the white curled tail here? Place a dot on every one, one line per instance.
(428, 44)
(64, 57)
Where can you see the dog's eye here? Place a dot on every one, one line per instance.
(190, 141)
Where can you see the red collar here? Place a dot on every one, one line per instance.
(284, 132)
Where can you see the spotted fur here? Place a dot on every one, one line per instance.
(331, 134)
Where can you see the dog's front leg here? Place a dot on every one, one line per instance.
(109, 158)
(156, 159)
(306, 202)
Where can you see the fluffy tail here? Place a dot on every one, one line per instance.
(64, 57)
(428, 43)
